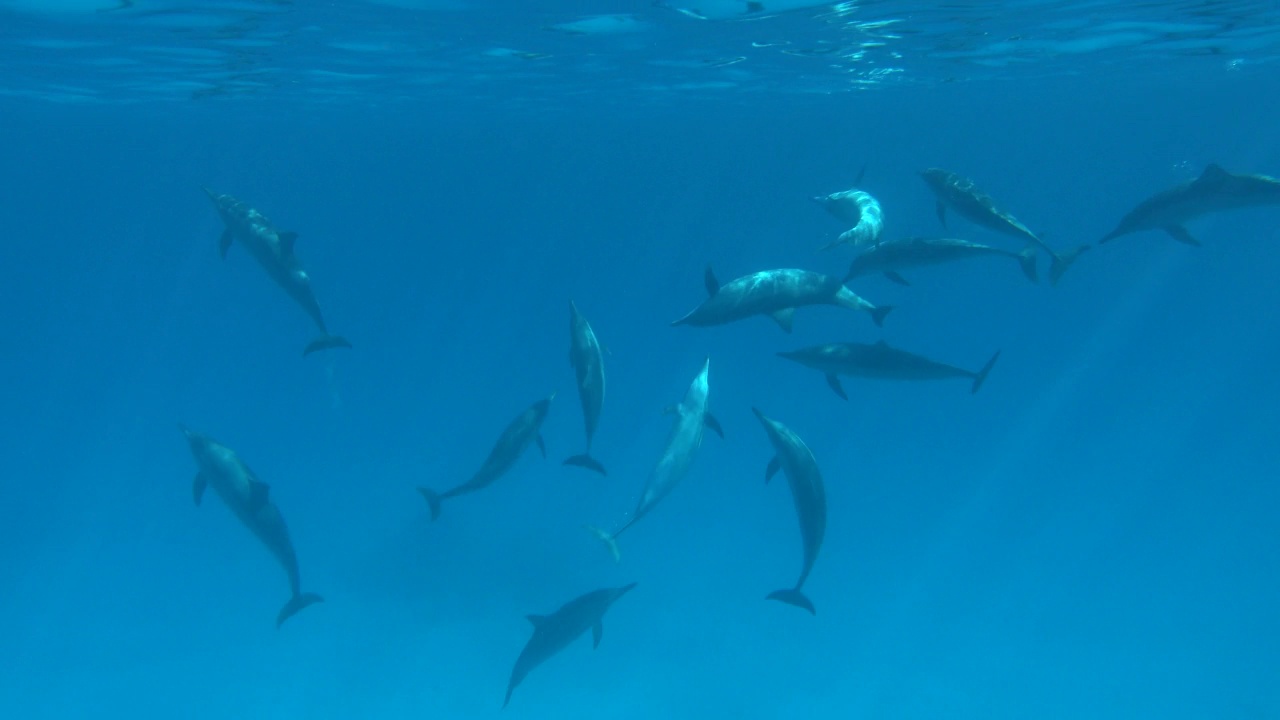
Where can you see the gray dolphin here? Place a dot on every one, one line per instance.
(248, 498)
(553, 633)
(776, 293)
(891, 256)
(805, 481)
(273, 249)
(879, 360)
(963, 196)
(861, 211)
(1214, 191)
(525, 429)
(588, 368)
(683, 440)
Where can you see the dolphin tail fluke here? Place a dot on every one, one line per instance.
(1062, 261)
(295, 604)
(878, 313)
(609, 539)
(981, 375)
(793, 597)
(326, 342)
(433, 500)
(1027, 261)
(586, 461)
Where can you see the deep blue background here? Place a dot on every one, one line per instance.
(1092, 535)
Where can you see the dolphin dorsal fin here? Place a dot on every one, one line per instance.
(1213, 175)
(709, 279)
(537, 620)
(287, 239)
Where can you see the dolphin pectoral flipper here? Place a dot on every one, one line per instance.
(542, 445)
(198, 488)
(326, 342)
(596, 631)
(1180, 234)
(224, 243)
(895, 277)
(941, 209)
(585, 461)
(785, 318)
(772, 469)
(793, 597)
(433, 501)
(713, 424)
(709, 279)
(1027, 261)
(295, 604)
(981, 376)
(834, 381)
(287, 239)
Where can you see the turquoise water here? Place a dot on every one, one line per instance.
(1092, 534)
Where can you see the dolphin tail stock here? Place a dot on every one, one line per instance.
(878, 312)
(585, 461)
(609, 539)
(981, 376)
(1061, 261)
(793, 596)
(295, 604)
(433, 500)
(326, 342)
(1027, 262)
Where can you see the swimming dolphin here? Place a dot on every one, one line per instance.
(588, 367)
(684, 439)
(776, 293)
(248, 498)
(805, 481)
(891, 256)
(962, 195)
(553, 633)
(861, 211)
(1214, 191)
(879, 360)
(273, 249)
(519, 433)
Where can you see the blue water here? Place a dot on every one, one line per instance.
(1093, 534)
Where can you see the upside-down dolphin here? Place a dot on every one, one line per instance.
(588, 369)
(1214, 191)
(776, 293)
(249, 499)
(553, 633)
(880, 360)
(891, 256)
(861, 211)
(963, 196)
(795, 459)
(273, 249)
(525, 429)
(682, 442)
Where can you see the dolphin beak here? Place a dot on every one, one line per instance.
(759, 414)
(212, 195)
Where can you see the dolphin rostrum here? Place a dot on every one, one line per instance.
(273, 249)
(684, 439)
(1214, 191)
(518, 435)
(588, 368)
(553, 633)
(794, 458)
(891, 256)
(861, 211)
(963, 196)
(776, 293)
(248, 498)
(880, 360)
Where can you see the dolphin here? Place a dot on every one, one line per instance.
(553, 633)
(273, 249)
(880, 360)
(861, 211)
(1214, 191)
(519, 433)
(588, 367)
(683, 440)
(891, 256)
(248, 498)
(805, 481)
(776, 293)
(963, 196)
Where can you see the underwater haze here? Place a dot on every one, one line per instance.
(1091, 534)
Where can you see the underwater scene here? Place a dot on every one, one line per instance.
(752, 359)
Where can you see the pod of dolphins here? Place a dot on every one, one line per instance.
(776, 294)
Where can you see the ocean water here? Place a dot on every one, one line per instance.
(1093, 534)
